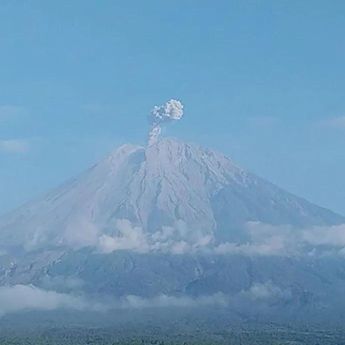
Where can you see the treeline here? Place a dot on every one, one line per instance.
(108, 337)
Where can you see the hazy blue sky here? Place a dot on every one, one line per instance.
(262, 81)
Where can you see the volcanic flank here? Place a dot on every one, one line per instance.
(173, 218)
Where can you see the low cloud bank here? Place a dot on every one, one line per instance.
(164, 301)
(19, 298)
(263, 240)
(27, 297)
(285, 240)
(326, 236)
(176, 239)
(266, 291)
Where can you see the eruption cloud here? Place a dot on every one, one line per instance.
(161, 114)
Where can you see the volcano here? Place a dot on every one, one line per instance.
(151, 220)
(168, 185)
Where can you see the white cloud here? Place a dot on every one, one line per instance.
(80, 233)
(285, 240)
(263, 239)
(329, 236)
(271, 247)
(163, 301)
(175, 240)
(19, 298)
(27, 297)
(14, 146)
(128, 238)
(265, 291)
(257, 292)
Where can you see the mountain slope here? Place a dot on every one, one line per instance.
(167, 186)
(176, 224)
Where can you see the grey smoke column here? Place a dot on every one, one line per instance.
(161, 114)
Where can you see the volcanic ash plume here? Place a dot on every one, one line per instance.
(161, 114)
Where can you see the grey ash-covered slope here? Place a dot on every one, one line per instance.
(172, 193)
(165, 184)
